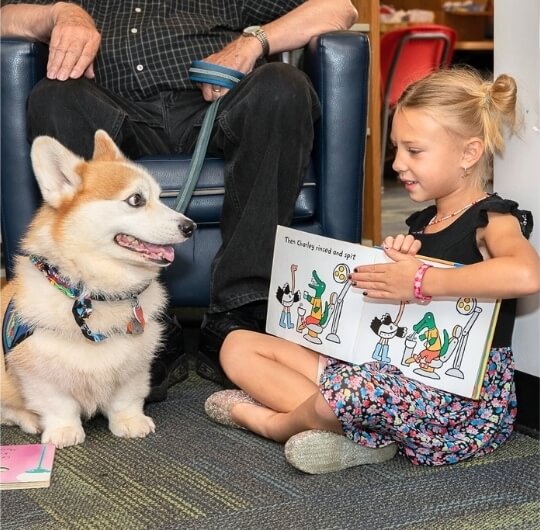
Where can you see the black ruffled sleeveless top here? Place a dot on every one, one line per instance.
(457, 243)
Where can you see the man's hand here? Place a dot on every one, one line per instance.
(241, 54)
(74, 43)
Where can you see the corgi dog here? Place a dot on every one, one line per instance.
(80, 315)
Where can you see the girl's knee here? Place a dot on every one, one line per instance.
(235, 346)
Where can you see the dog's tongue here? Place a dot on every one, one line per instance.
(159, 251)
(150, 250)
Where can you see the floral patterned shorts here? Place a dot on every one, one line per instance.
(376, 405)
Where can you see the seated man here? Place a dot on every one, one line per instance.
(123, 67)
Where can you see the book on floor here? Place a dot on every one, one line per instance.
(444, 343)
(26, 466)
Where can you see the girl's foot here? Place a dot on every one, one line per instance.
(219, 405)
(317, 452)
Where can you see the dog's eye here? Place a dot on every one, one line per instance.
(136, 200)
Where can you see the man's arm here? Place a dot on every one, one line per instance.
(289, 32)
(310, 19)
(68, 29)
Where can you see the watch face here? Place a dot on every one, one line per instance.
(252, 29)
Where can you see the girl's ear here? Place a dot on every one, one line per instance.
(473, 151)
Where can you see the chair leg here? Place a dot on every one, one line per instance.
(384, 138)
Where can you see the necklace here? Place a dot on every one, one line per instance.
(435, 221)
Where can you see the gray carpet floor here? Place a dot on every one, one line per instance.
(194, 474)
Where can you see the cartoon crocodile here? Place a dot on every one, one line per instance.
(318, 315)
(435, 348)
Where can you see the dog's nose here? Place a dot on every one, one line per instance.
(187, 228)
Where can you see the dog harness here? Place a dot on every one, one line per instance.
(14, 330)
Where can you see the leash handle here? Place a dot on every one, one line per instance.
(214, 74)
(184, 196)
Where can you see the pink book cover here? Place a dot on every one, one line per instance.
(26, 466)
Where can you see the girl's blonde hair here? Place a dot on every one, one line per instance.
(468, 105)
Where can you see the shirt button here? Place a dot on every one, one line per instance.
(134, 30)
(140, 67)
(138, 10)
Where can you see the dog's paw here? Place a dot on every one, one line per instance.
(137, 426)
(64, 436)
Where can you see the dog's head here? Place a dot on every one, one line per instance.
(105, 209)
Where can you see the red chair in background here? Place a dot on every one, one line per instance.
(407, 55)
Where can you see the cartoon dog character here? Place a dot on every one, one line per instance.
(386, 329)
(287, 296)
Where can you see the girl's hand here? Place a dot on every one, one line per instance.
(389, 281)
(406, 244)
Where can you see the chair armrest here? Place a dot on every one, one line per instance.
(338, 65)
(23, 64)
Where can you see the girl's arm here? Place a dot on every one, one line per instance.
(512, 269)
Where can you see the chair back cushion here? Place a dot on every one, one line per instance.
(408, 54)
(206, 203)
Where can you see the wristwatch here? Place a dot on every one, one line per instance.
(260, 35)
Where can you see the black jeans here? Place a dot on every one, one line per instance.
(264, 132)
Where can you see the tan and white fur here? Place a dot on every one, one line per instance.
(56, 378)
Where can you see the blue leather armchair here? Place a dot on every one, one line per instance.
(330, 202)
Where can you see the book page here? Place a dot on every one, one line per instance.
(444, 343)
(311, 301)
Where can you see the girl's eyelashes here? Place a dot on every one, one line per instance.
(393, 147)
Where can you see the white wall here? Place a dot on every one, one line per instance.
(517, 176)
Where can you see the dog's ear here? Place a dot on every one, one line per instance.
(105, 149)
(55, 168)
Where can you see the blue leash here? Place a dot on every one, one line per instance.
(213, 74)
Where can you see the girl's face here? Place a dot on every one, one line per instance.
(429, 159)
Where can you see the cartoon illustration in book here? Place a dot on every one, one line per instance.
(437, 350)
(341, 275)
(464, 306)
(287, 296)
(319, 316)
(435, 346)
(386, 329)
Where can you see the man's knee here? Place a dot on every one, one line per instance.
(282, 86)
(70, 111)
(54, 96)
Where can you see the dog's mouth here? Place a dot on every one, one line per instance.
(159, 254)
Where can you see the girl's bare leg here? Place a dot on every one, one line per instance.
(280, 375)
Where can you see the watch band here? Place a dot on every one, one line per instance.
(260, 35)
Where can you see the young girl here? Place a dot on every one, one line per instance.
(331, 414)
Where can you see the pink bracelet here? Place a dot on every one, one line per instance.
(418, 278)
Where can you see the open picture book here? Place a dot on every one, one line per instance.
(444, 343)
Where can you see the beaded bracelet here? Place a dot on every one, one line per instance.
(418, 278)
